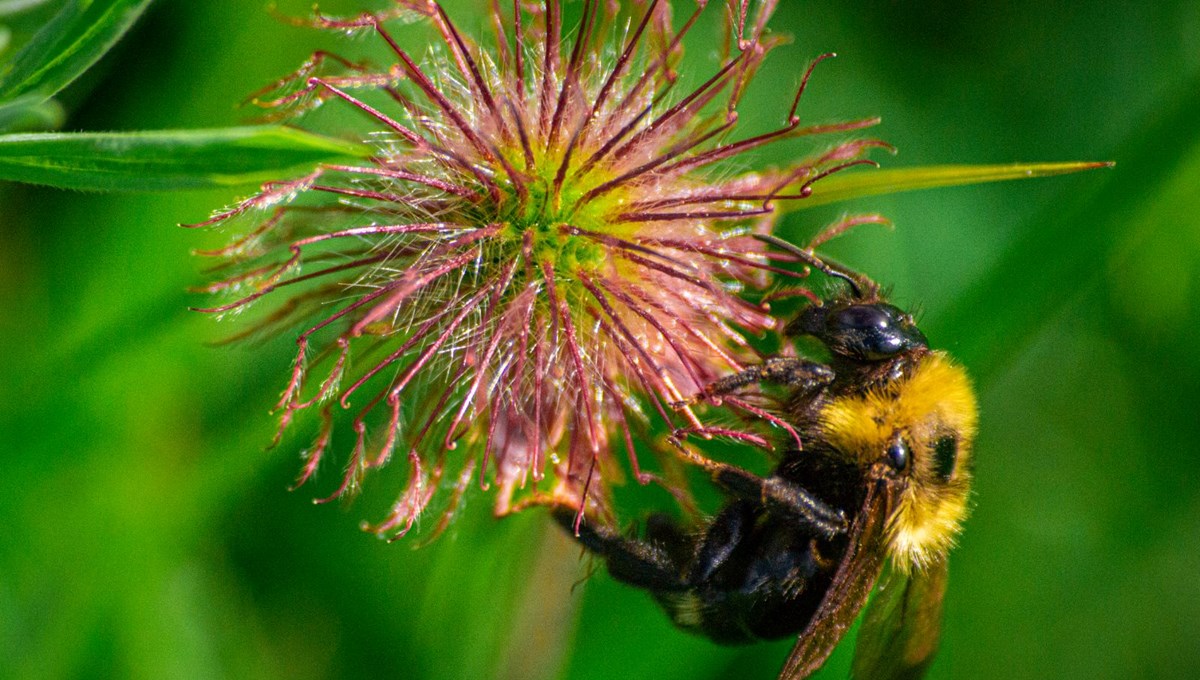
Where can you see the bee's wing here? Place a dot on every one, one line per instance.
(848, 592)
(899, 633)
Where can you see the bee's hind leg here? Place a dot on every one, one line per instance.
(651, 564)
(777, 493)
(669, 559)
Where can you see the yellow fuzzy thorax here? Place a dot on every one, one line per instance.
(933, 402)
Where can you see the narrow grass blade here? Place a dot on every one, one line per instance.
(166, 160)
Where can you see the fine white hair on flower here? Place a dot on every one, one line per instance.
(545, 256)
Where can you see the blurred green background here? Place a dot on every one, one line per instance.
(147, 534)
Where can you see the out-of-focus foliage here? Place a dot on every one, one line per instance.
(61, 49)
(148, 534)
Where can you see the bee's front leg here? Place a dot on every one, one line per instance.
(798, 374)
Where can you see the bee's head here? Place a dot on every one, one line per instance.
(859, 326)
(861, 330)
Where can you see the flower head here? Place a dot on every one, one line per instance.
(545, 252)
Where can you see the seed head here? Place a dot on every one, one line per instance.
(544, 255)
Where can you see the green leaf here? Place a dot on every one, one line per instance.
(31, 112)
(67, 46)
(10, 7)
(845, 186)
(167, 159)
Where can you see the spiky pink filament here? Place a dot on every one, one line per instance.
(647, 132)
(416, 279)
(740, 311)
(630, 357)
(666, 312)
(570, 80)
(618, 70)
(655, 69)
(313, 456)
(710, 432)
(416, 496)
(561, 315)
(467, 307)
(663, 383)
(685, 358)
(545, 251)
(521, 307)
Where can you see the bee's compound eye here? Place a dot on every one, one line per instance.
(873, 332)
(862, 317)
(945, 457)
(897, 455)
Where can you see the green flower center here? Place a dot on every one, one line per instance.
(551, 221)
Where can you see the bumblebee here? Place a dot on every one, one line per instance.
(883, 478)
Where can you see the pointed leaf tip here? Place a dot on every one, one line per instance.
(846, 186)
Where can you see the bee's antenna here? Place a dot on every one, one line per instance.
(857, 281)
